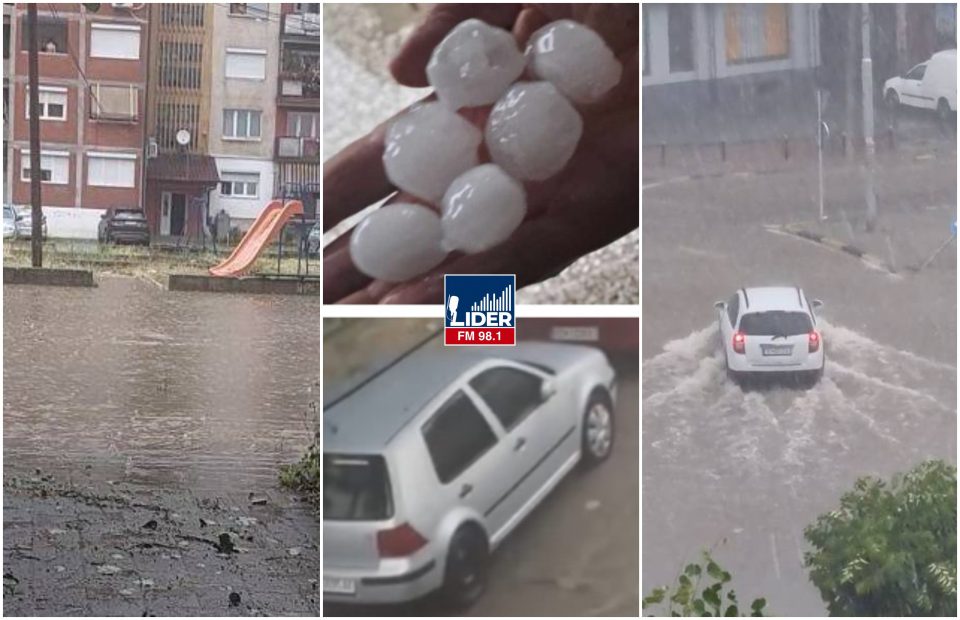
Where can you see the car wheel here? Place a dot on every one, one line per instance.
(893, 101)
(598, 433)
(944, 114)
(465, 577)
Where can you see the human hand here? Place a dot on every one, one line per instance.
(594, 201)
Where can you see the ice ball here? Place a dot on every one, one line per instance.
(474, 64)
(481, 209)
(573, 58)
(427, 148)
(397, 242)
(533, 131)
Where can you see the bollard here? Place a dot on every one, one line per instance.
(786, 147)
(723, 150)
(843, 143)
(893, 144)
(663, 154)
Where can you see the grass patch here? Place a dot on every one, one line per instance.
(304, 476)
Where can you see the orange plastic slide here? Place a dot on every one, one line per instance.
(264, 230)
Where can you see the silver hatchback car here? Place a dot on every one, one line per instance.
(431, 463)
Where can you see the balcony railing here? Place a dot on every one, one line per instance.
(296, 147)
(302, 25)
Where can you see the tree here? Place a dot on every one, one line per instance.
(890, 549)
(700, 592)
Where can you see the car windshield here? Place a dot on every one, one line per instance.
(775, 323)
(355, 488)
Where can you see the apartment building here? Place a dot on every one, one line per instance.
(299, 166)
(91, 93)
(7, 71)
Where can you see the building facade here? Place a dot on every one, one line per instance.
(298, 159)
(92, 91)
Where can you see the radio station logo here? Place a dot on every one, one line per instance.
(479, 310)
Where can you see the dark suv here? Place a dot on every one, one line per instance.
(124, 226)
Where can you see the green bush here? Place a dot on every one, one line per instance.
(304, 476)
(699, 591)
(890, 549)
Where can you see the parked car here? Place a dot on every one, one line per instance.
(768, 330)
(931, 85)
(314, 240)
(9, 222)
(25, 224)
(430, 464)
(123, 226)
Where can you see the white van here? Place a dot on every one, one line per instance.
(931, 85)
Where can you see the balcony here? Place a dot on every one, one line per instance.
(302, 27)
(295, 147)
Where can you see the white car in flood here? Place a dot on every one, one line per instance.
(931, 85)
(768, 330)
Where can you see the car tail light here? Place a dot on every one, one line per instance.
(814, 340)
(399, 542)
(739, 342)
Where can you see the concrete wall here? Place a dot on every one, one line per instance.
(232, 31)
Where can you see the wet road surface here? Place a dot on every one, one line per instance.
(140, 428)
(576, 554)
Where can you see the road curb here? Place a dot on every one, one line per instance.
(798, 230)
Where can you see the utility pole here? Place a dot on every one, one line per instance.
(866, 70)
(850, 79)
(36, 233)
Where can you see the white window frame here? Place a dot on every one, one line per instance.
(257, 13)
(43, 96)
(240, 51)
(131, 157)
(314, 119)
(121, 55)
(95, 96)
(234, 178)
(236, 121)
(25, 165)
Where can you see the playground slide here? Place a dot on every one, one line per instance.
(265, 229)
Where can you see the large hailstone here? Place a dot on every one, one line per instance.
(397, 242)
(474, 64)
(427, 148)
(533, 131)
(574, 59)
(481, 209)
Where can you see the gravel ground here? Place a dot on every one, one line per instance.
(359, 94)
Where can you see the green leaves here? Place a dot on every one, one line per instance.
(890, 548)
(699, 591)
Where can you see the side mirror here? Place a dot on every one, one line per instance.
(719, 305)
(817, 303)
(547, 389)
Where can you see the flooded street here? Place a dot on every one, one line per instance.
(143, 433)
(203, 392)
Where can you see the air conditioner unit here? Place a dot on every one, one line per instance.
(153, 149)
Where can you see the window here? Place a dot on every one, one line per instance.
(680, 36)
(756, 32)
(115, 41)
(246, 64)
(733, 309)
(180, 64)
(510, 393)
(6, 40)
(303, 124)
(457, 435)
(51, 35)
(356, 488)
(52, 101)
(54, 167)
(775, 323)
(239, 184)
(112, 169)
(260, 9)
(113, 102)
(241, 124)
(189, 15)
(306, 7)
(916, 73)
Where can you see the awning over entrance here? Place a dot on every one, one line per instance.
(183, 168)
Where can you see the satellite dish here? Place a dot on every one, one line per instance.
(183, 137)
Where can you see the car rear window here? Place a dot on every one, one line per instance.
(775, 323)
(129, 215)
(356, 488)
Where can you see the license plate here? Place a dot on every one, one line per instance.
(776, 349)
(575, 333)
(339, 585)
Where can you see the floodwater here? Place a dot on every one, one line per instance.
(130, 383)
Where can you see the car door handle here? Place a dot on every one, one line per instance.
(465, 490)
(519, 445)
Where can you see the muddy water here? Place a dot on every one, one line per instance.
(131, 383)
